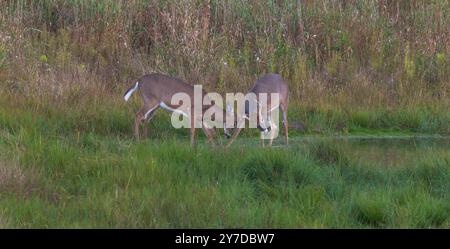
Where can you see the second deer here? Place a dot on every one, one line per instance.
(269, 83)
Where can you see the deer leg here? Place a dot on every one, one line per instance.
(272, 127)
(262, 139)
(271, 135)
(145, 128)
(144, 113)
(192, 132)
(209, 133)
(192, 136)
(265, 130)
(144, 131)
(283, 108)
(147, 117)
(235, 134)
(285, 124)
(137, 122)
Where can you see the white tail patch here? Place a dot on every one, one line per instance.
(164, 106)
(148, 112)
(131, 91)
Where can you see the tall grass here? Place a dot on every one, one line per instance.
(350, 67)
(380, 54)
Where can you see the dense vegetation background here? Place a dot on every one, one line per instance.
(350, 64)
(67, 153)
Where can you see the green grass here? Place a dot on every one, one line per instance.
(84, 178)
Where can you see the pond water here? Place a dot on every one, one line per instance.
(382, 150)
(391, 151)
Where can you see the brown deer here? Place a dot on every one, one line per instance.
(157, 91)
(269, 83)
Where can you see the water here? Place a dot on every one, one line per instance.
(385, 151)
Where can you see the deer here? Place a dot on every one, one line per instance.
(269, 83)
(157, 91)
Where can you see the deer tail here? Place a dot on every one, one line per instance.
(130, 91)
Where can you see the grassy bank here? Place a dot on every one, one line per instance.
(59, 171)
(92, 180)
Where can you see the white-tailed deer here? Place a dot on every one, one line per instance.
(269, 83)
(157, 91)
